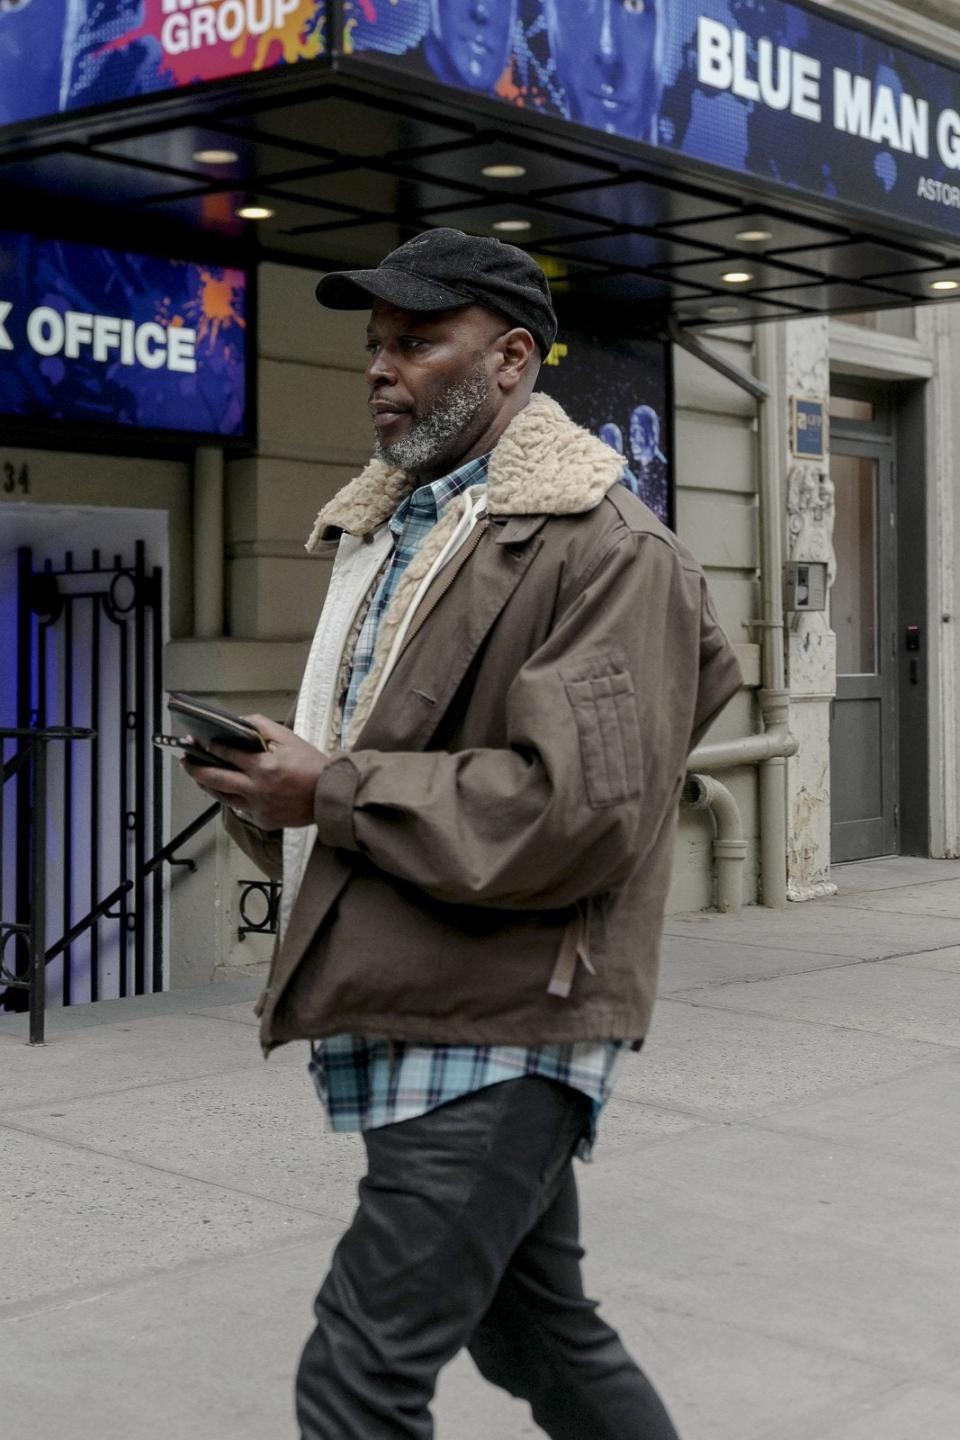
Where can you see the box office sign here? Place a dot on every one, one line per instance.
(774, 90)
(63, 55)
(104, 337)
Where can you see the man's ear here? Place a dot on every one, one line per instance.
(519, 358)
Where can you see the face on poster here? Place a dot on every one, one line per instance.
(619, 390)
(63, 55)
(772, 90)
(111, 338)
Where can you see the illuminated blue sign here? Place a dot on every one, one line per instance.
(107, 337)
(773, 90)
(63, 55)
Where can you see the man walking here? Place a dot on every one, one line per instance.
(473, 816)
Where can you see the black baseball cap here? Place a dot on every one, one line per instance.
(445, 270)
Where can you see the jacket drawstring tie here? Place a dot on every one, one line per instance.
(574, 950)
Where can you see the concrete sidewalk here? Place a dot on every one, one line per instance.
(772, 1217)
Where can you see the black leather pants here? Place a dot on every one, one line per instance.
(467, 1234)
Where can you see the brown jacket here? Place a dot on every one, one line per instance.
(509, 806)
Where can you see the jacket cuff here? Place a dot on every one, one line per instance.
(240, 830)
(333, 801)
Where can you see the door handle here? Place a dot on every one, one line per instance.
(912, 642)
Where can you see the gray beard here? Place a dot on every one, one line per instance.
(430, 434)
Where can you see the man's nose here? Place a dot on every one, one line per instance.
(608, 59)
(380, 370)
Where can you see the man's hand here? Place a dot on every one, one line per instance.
(272, 789)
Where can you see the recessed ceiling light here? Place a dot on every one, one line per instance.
(723, 312)
(512, 226)
(736, 277)
(216, 157)
(255, 212)
(504, 172)
(945, 285)
(754, 237)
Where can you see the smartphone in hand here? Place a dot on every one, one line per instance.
(191, 751)
(206, 723)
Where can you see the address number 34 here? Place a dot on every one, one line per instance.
(15, 478)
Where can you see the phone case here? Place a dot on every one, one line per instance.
(208, 722)
(192, 752)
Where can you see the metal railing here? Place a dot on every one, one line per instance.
(89, 648)
(28, 929)
(261, 896)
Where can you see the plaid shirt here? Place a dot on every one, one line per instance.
(410, 523)
(362, 1083)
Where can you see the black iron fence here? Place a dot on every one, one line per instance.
(81, 825)
(259, 907)
(89, 651)
(24, 953)
(23, 945)
(82, 799)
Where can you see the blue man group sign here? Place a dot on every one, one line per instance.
(62, 55)
(104, 337)
(759, 87)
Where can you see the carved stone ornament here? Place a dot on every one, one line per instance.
(810, 494)
(810, 514)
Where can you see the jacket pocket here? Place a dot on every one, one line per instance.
(605, 712)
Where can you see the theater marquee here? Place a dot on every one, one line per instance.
(777, 93)
(774, 91)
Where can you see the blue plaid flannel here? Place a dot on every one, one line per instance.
(362, 1083)
(410, 523)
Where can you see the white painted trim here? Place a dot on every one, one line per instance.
(877, 356)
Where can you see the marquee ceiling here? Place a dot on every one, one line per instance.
(343, 170)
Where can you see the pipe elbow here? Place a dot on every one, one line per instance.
(705, 792)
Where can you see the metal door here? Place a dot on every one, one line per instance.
(863, 608)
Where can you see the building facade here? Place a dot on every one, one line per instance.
(843, 741)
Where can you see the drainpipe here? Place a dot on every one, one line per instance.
(703, 792)
(774, 695)
(773, 743)
(768, 750)
(208, 542)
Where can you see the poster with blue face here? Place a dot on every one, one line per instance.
(618, 389)
(63, 55)
(761, 87)
(109, 338)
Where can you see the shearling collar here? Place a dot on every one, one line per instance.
(543, 464)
